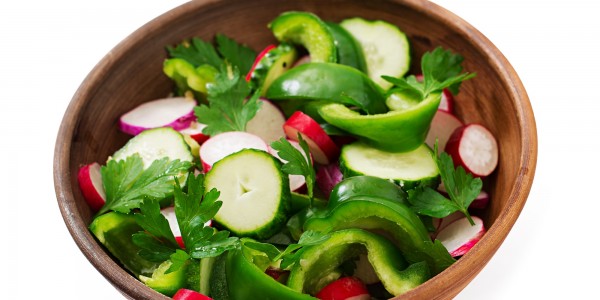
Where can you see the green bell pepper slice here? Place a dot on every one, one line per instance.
(189, 78)
(246, 280)
(391, 216)
(366, 186)
(330, 82)
(394, 131)
(166, 283)
(318, 261)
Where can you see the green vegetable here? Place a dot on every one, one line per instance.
(318, 261)
(189, 78)
(113, 230)
(441, 69)
(218, 285)
(408, 169)
(228, 109)
(330, 82)
(276, 62)
(308, 30)
(460, 186)
(165, 282)
(127, 183)
(297, 163)
(348, 49)
(199, 274)
(367, 186)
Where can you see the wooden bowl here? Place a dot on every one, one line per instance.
(132, 73)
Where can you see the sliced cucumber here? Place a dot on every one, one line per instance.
(255, 193)
(156, 144)
(307, 30)
(272, 65)
(199, 275)
(407, 169)
(385, 47)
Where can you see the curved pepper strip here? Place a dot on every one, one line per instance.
(320, 260)
(366, 186)
(394, 131)
(330, 82)
(247, 281)
(395, 219)
(187, 77)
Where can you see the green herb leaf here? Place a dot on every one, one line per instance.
(155, 224)
(127, 184)
(297, 163)
(236, 54)
(151, 248)
(429, 202)
(178, 260)
(441, 69)
(228, 109)
(197, 52)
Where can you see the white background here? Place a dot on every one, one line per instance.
(48, 47)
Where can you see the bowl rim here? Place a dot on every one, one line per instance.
(447, 282)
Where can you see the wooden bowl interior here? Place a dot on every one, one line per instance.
(132, 74)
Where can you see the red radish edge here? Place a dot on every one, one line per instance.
(345, 288)
(460, 236)
(176, 112)
(259, 57)
(474, 148)
(321, 146)
(90, 183)
(297, 182)
(267, 123)
(328, 177)
(185, 294)
(223, 144)
(443, 125)
(195, 132)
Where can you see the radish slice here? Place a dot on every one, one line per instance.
(328, 177)
(474, 148)
(267, 123)
(223, 144)
(297, 182)
(185, 294)
(177, 112)
(195, 132)
(459, 236)
(321, 146)
(303, 60)
(90, 183)
(345, 288)
(440, 224)
(442, 127)
(447, 101)
(259, 57)
(481, 201)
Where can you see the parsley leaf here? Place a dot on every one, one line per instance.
(237, 55)
(297, 163)
(441, 69)
(228, 109)
(197, 52)
(462, 188)
(127, 183)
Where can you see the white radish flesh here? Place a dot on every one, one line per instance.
(195, 132)
(460, 236)
(442, 127)
(474, 148)
(481, 201)
(223, 144)
(267, 123)
(176, 112)
(90, 183)
(297, 182)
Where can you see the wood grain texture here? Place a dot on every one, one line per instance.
(132, 73)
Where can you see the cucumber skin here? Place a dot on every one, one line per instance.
(282, 213)
(406, 185)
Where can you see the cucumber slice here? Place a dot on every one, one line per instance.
(272, 65)
(385, 47)
(156, 144)
(255, 193)
(349, 51)
(308, 30)
(407, 169)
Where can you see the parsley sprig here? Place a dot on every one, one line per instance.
(441, 69)
(228, 109)
(297, 163)
(461, 186)
(292, 253)
(127, 183)
(192, 210)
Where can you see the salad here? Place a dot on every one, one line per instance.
(318, 167)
